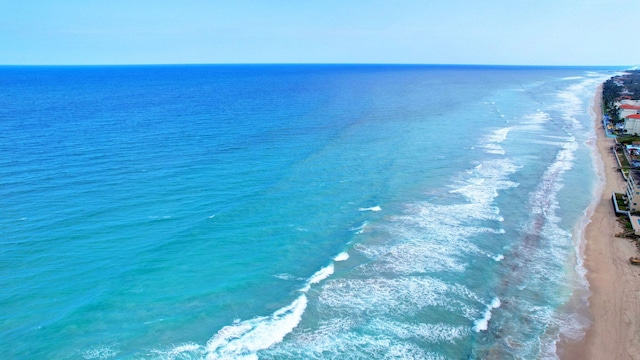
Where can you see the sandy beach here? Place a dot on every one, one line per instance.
(614, 282)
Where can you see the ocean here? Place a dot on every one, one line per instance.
(294, 211)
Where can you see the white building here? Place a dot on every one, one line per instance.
(633, 190)
(628, 109)
(632, 124)
(630, 102)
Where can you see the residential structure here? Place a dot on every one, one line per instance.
(630, 102)
(628, 109)
(633, 190)
(632, 124)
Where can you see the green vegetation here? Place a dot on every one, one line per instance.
(631, 82)
(627, 231)
(610, 94)
(625, 172)
(620, 199)
(620, 87)
(628, 139)
(623, 159)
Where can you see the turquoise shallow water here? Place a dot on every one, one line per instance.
(339, 211)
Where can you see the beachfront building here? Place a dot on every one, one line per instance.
(628, 109)
(630, 102)
(633, 190)
(632, 124)
(632, 152)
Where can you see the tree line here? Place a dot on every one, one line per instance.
(626, 86)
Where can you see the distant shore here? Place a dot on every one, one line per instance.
(613, 281)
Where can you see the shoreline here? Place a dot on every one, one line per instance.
(614, 303)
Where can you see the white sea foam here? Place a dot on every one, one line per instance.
(153, 321)
(428, 238)
(402, 296)
(543, 200)
(350, 345)
(492, 141)
(415, 256)
(481, 184)
(533, 122)
(101, 353)
(494, 149)
(165, 217)
(571, 106)
(432, 237)
(342, 337)
(245, 339)
(343, 256)
(483, 324)
(433, 333)
(188, 347)
(545, 142)
(284, 276)
(184, 351)
(499, 135)
(373, 208)
(360, 229)
(320, 275)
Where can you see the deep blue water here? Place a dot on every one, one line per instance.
(293, 211)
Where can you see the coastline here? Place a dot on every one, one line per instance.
(613, 282)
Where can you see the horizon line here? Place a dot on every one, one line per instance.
(316, 64)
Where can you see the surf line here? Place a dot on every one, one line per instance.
(246, 338)
(483, 324)
(373, 208)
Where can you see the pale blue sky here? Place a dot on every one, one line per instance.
(516, 32)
